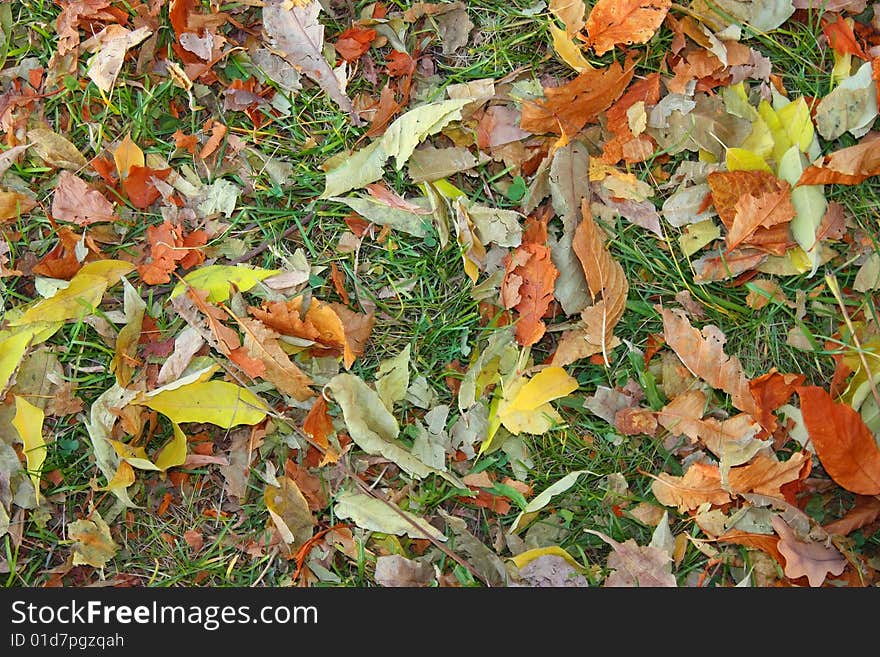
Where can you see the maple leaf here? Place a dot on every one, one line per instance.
(703, 354)
(622, 22)
(845, 446)
(527, 287)
(566, 109)
(772, 390)
(812, 560)
(766, 475)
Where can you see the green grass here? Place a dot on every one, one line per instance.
(421, 297)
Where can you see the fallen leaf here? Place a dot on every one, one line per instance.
(28, 422)
(700, 484)
(764, 211)
(262, 344)
(394, 570)
(568, 50)
(376, 515)
(217, 402)
(571, 13)
(527, 287)
(802, 559)
(13, 205)
(290, 512)
(544, 498)
(219, 280)
(78, 202)
(92, 543)
(636, 566)
(703, 354)
(56, 150)
(865, 512)
(110, 46)
(613, 23)
(566, 109)
(298, 36)
(486, 562)
(846, 448)
(354, 42)
(846, 166)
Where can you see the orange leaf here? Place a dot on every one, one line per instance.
(763, 211)
(398, 64)
(845, 446)
(566, 109)
(354, 42)
(865, 512)
(139, 187)
(703, 354)
(318, 423)
(527, 287)
(625, 144)
(728, 187)
(847, 166)
(766, 475)
(700, 484)
(61, 261)
(764, 542)
(622, 22)
(165, 250)
(771, 391)
(841, 37)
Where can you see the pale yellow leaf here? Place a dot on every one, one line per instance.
(219, 279)
(28, 422)
(216, 402)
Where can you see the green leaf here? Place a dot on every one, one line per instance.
(378, 516)
(544, 498)
(218, 280)
(377, 212)
(216, 402)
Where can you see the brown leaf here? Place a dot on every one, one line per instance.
(290, 512)
(727, 190)
(566, 109)
(846, 447)
(14, 204)
(635, 421)
(622, 22)
(813, 560)
(718, 265)
(78, 202)
(703, 354)
(684, 416)
(764, 211)
(354, 42)
(605, 276)
(846, 166)
(637, 565)
(61, 261)
(310, 485)
(396, 570)
(699, 485)
(865, 512)
(527, 287)
(261, 343)
(318, 423)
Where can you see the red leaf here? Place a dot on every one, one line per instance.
(771, 391)
(841, 37)
(354, 42)
(139, 187)
(845, 446)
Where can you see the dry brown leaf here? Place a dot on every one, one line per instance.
(622, 22)
(811, 560)
(637, 565)
(703, 354)
(605, 276)
(766, 474)
(865, 512)
(764, 211)
(847, 166)
(261, 343)
(684, 416)
(571, 13)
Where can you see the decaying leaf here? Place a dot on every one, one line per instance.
(397, 570)
(613, 23)
(290, 512)
(377, 515)
(635, 565)
(811, 559)
(92, 543)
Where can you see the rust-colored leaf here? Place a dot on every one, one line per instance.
(841, 37)
(354, 42)
(527, 287)
(626, 145)
(845, 446)
(318, 423)
(15, 204)
(766, 475)
(61, 261)
(622, 22)
(764, 211)
(847, 166)
(139, 186)
(566, 109)
(729, 187)
(703, 354)
(770, 391)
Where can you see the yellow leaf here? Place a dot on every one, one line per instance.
(795, 118)
(524, 558)
(568, 50)
(548, 384)
(28, 422)
(218, 280)
(781, 140)
(135, 456)
(842, 67)
(217, 402)
(12, 350)
(174, 452)
(123, 478)
(127, 155)
(83, 293)
(740, 159)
